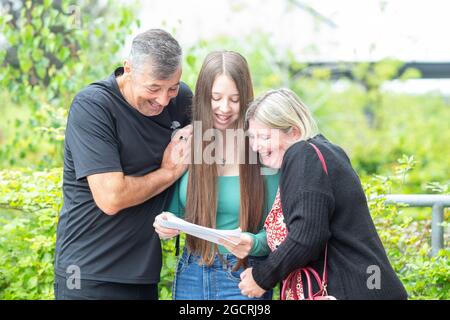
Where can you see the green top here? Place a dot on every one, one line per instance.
(228, 207)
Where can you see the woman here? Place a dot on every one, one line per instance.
(324, 208)
(223, 190)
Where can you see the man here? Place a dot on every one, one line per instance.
(119, 162)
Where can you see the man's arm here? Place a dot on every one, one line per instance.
(114, 191)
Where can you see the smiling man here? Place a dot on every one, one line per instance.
(119, 162)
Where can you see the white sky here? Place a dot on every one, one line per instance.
(365, 29)
(411, 30)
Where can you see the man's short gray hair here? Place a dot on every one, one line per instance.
(159, 49)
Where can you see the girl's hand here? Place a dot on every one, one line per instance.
(164, 233)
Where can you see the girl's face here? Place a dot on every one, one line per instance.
(225, 102)
(271, 144)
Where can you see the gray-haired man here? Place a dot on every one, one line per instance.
(119, 163)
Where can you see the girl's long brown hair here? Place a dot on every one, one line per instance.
(201, 202)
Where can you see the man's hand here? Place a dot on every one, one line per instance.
(248, 285)
(178, 152)
(164, 233)
(242, 248)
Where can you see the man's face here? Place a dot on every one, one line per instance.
(149, 95)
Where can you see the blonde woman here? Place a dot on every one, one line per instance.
(221, 191)
(323, 206)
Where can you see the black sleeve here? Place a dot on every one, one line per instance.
(184, 104)
(91, 138)
(307, 201)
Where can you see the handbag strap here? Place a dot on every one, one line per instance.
(324, 166)
(322, 159)
(290, 281)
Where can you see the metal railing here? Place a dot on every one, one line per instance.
(437, 202)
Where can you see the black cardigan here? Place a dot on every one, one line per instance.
(320, 208)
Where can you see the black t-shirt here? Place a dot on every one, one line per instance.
(106, 134)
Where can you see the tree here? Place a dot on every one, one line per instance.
(49, 51)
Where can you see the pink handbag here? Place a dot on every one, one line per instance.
(292, 286)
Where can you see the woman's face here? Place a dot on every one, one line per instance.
(271, 144)
(225, 102)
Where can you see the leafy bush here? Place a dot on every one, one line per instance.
(407, 239)
(29, 206)
(27, 238)
(50, 50)
(28, 235)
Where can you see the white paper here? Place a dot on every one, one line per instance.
(209, 234)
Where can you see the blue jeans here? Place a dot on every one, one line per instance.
(195, 281)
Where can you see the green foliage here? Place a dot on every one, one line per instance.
(51, 44)
(31, 138)
(407, 239)
(29, 207)
(170, 261)
(53, 49)
(406, 124)
(27, 237)
(27, 240)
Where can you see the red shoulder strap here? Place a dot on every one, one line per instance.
(322, 159)
(324, 166)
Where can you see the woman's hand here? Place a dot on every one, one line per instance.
(164, 233)
(242, 247)
(248, 285)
